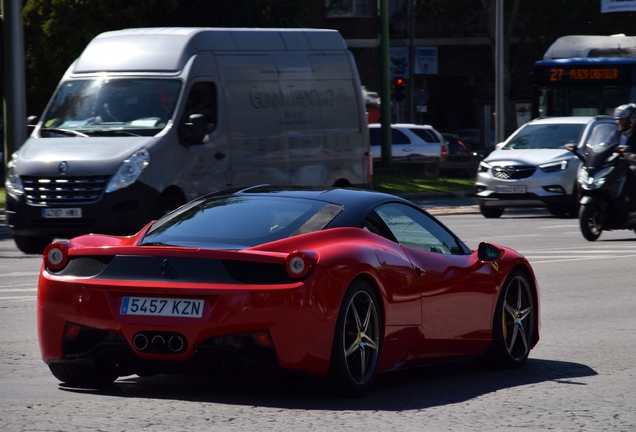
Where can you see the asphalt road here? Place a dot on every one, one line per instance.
(580, 377)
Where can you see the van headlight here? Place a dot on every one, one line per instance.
(129, 171)
(554, 166)
(13, 183)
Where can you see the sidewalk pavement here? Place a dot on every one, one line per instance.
(436, 210)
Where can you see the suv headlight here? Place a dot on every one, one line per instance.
(554, 166)
(484, 166)
(13, 182)
(129, 171)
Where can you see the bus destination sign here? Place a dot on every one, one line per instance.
(568, 75)
(579, 73)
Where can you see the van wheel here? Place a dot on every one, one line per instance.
(166, 204)
(491, 212)
(31, 245)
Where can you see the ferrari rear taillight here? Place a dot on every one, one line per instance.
(299, 264)
(56, 256)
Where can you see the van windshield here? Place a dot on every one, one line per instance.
(111, 106)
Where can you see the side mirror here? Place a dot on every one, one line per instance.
(622, 148)
(499, 146)
(488, 252)
(195, 130)
(573, 149)
(32, 122)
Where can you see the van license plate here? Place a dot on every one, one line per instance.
(50, 213)
(510, 189)
(170, 307)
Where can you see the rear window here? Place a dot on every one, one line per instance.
(426, 135)
(237, 222)
(546, 136)
(397, 137)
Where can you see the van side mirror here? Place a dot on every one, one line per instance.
(195, 129)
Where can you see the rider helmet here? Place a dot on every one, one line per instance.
(627, 111)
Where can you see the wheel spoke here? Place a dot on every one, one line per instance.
(355, 346)
(524, 340)
(513, 339)
(363, 363)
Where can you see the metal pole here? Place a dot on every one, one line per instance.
(14, 78)
(411, 97)
(499, 75)
(385, 84)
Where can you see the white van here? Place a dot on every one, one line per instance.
(148, 119)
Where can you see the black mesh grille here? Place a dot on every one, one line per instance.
(513, 171)
(63, 190)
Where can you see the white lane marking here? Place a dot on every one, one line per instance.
(559, 226)
(17, 299)
(16, 274)
(579, 259)
(15, 285)
(2, 299)
(19, 290)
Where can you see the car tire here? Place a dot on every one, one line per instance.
(590, 222)
(491, 212)
(514, 323)
(357, 341)
(82, 375)
(31, 245)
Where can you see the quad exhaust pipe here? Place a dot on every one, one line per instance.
(159, 342)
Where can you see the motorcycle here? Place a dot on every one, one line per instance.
(607, 185)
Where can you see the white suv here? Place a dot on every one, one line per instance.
(533, 168)
(409, 141)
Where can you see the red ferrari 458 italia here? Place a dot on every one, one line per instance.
(335, 282)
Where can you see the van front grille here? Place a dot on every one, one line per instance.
(63, 190)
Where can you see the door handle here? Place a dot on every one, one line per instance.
(219, 155)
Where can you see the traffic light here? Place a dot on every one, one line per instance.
(398, 93)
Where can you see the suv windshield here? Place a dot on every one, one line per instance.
(545, 136)
(111, 106)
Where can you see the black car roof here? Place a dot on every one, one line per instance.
(356, 202)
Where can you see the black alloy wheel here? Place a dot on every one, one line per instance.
(357, 340)
(514, 323)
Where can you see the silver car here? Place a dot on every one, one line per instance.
(532, 168)
(409, 141)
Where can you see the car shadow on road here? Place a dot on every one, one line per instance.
(410, 389)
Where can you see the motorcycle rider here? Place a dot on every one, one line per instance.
(626, 120)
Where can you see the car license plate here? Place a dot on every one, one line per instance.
(510, 189)
(50, 213)
(170, 307)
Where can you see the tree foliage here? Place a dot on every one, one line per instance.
(57, 31)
